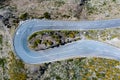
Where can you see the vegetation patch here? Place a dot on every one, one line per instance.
(24, 16)
(42, 40)
(1, 39)
(49, 39)
(16, 68)
(83, 69)
(59, 3)
(2, 62)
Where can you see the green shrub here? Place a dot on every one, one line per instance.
(59, 3)
(24, 16)
(47, 15)
(65, 16)
(2, 62)
(36, 42)
(1, 39)
(33, 35)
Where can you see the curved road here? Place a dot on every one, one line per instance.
(81, 48)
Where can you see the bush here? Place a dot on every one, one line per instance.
(59, 3)
(2, 62)
(47, 15)
(37, 42)
(1, 39)
(24, 16)
(33, 35)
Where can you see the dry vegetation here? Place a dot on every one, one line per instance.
(73, 69)
(49, 39)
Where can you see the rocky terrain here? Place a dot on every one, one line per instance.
(14, 11)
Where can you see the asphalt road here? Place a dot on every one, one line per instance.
(81, 48)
